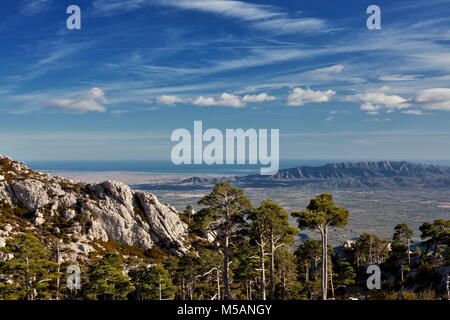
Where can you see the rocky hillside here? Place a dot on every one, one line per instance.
(84, 216)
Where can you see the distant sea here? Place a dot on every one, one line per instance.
(151, 166)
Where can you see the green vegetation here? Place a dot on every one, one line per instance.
(321, 214)
(227, 205)
(152, 282)
(30, 269)
(237, 251)
(107, 281)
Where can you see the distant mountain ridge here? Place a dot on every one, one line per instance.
(365, 170)
(381, 174)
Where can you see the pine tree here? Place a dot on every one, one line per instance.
(259, 229)
(403, 234)
(209, 274)
(320, 214)
(271, 226)
(437, 233)
(345, 275)
(286, 271)
(152, 282)
(309, 254)
(246, 266)
(107, 281)
(187, 271)
(227, 205)
(370, 249)
(28, 269)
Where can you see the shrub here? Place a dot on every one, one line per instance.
(406, 295)
(156, 253)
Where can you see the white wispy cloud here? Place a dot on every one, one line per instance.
(35, 7)
(169, 100)
(287, 25)
(332, 69)
(264, 17)
(413, 112)
(258, 98)
(89, 101)
(433, 99)
(299, 96)
(225, 100)
(399, 77)
(51, 54)
(369, 107)
(331, 73)
(377, 99)
(234, 9)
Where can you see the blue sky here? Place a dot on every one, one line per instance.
(139, 69)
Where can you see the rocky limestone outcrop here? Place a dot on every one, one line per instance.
(105, 211)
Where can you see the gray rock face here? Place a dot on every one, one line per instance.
(30, 193)
(5, 192)
(165, 220)
(69, 214)
(111, 210)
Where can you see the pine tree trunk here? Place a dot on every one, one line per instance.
(218, 285)
(262, 288)
(324, 264)
(402, 276)
(409, 255)
(331, 283)
(306, 273)
(272, 267)
(225, 270)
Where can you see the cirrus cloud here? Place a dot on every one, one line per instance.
(413, 112)
(263, 17)
(399, 77)
(332, 69)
